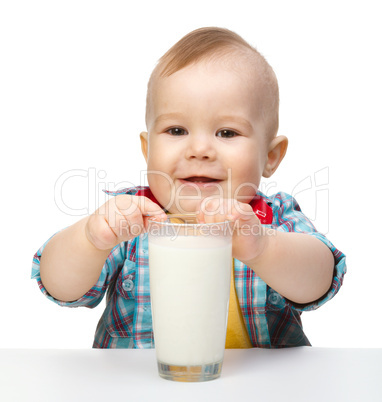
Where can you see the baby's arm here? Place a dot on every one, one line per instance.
(296, 265)
(73, 259)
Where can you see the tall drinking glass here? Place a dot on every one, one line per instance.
(190, 268)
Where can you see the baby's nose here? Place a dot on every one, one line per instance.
(200, 147)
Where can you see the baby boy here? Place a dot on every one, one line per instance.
(212, 122)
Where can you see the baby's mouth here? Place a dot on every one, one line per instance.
(200, 179)
(202, 182)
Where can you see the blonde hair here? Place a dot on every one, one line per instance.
(212, 43)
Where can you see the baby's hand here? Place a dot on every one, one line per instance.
(249, 236)
(120, 219)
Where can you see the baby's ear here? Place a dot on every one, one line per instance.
(144, 143)
(276, 152)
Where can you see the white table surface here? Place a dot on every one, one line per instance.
(298, 374)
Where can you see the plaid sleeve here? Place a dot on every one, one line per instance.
(287, 217)
(94, 296)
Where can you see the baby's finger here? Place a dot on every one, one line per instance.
(132, 205)
(127, 215)
(150, 210)
(126, 228)
(242, 212)
(215, 210)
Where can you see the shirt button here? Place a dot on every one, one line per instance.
(274, 298)
(128, 285)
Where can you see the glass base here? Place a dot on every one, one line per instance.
(204, 372)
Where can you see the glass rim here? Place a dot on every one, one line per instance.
(152, 220)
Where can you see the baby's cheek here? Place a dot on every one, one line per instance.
(245, 192)
(162, 188)
(245, 183)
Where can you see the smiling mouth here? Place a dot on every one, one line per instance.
(200, 179)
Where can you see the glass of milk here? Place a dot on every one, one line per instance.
(190, 268)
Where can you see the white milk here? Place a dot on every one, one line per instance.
(189, 282)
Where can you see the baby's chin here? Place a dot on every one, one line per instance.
(185, 206)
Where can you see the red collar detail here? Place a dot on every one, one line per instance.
(146, 192)
(262, 210)
(259, 205)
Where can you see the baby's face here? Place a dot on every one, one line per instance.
(206, 136)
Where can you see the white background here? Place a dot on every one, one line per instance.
(73, 78)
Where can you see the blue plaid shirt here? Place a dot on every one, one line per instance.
(271, 320)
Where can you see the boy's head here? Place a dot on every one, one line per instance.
(212, 120)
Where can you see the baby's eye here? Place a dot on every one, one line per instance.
(226, 134)
(176, 131)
